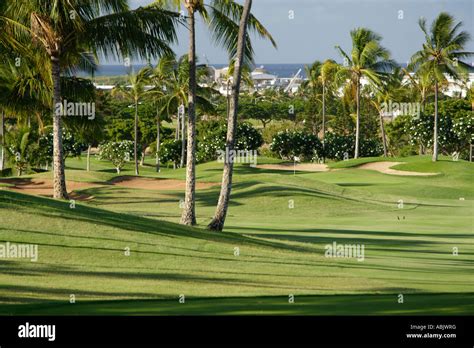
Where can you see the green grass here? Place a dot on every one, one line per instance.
(407, 251)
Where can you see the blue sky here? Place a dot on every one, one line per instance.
(319, 25)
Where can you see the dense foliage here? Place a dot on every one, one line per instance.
(212, 135)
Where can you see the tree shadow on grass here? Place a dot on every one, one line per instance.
(356, 232)
(306, 305)
(48, 207)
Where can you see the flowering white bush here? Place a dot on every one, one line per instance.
(118, 153)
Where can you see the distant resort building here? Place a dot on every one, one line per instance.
(261, 80)
(219, 79)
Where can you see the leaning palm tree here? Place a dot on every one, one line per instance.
(65, 29)
(222, 17)
(217, 223)
(135, 90)
(441, 55)
(367, 59)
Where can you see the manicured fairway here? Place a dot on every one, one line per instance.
(280, 223)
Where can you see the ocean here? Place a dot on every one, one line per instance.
(280, 70)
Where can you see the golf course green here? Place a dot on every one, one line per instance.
(119, 250)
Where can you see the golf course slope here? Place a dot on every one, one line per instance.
(123, 253)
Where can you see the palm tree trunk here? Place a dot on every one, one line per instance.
(59, 177)
(176, 136)
(158, 142)
(217, 223)
(188, 216)
(435, 130)
(177, 126)
(89, 158)
(384, 138)
(356, 151)
(2, 141)
(183, 140)
(324, 118)
(135, 142)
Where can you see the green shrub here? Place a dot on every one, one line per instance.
(170, 151)
(338, 146)
(212, 135)
(290, 144)
(341, 147)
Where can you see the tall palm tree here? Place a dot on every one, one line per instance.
(321, 77)
(312, 85)
(159, 79)
(389, 88)
(217, 223)
(222, 17)
(135, 90)
(171, 89)
(441, 55)
(328, 75)
(367, 59)
(63, 29)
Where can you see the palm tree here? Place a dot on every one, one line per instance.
(312, 86)
(367, 59)
(134, 90)
(24, 89)
(320, 78)
(65, 29)
(217, 223)
(441, 55)
(159, 78)
(328, 75)
(390, 88)
(171, 90)
(222, 17)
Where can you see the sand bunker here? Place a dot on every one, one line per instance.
(384, 167)
(303, 167)
(44, 187)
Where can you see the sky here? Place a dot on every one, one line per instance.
(308, 30)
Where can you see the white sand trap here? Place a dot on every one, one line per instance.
(305, 167)
(385, 168)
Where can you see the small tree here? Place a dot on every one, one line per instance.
(18, 143)
(118, 153)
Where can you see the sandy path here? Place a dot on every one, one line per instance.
(305, 167)
(384, 167)
(44, 187)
